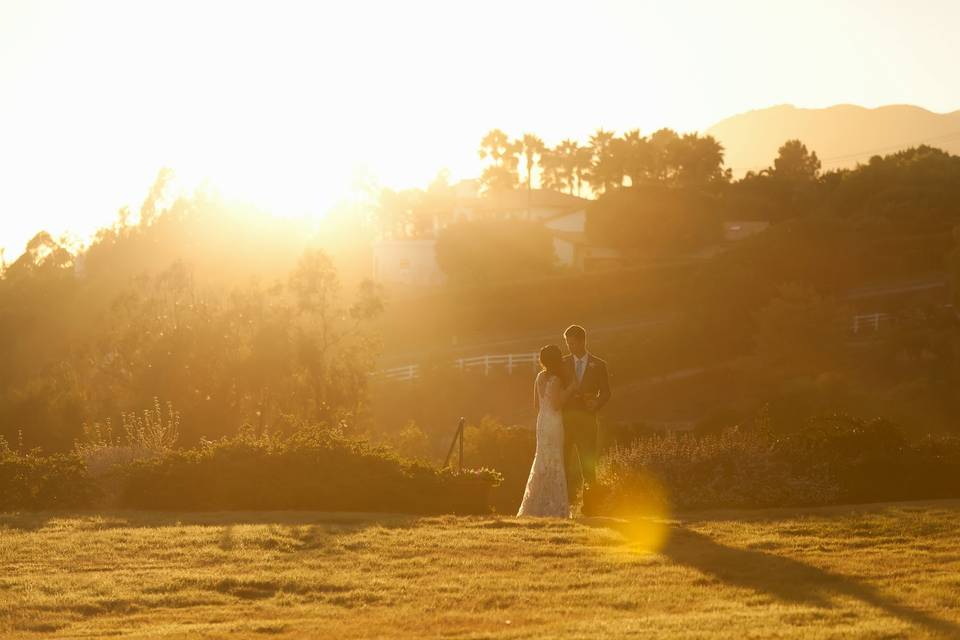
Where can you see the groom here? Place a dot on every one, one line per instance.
(580, 414)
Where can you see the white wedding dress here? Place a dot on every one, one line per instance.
(546, 493)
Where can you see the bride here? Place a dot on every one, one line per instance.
(546, 493)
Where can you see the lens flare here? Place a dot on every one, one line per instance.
(642, 512)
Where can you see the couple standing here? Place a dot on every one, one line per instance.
(568, 392)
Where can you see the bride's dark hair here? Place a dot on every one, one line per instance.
(551, 360)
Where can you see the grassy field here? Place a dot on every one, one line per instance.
(873, 571)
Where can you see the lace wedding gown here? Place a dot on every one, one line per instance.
(546, 493)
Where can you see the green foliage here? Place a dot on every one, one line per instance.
(653, 220)
(794, 163)
(32, 481)
(835, 459)
(911, 191)
(953, 268)
(801, 330)
(84, 344)
(313, 469)
(485, 251)
(501, 174)
(151, 429)
(509, 450)
(606, 162)
(411, 441)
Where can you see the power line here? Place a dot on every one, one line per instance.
(892, 147)
(848, 156)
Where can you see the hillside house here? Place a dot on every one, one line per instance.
(413, 261)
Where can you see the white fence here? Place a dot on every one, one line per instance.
(868, 322)
(507, 361)
(510, 361)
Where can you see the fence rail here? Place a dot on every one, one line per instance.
(869, 322)
(506, 361)
(866, 322)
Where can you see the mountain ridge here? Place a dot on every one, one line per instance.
(842, 134)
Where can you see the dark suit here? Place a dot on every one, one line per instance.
(580, 423)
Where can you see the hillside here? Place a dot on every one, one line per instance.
(873, 571)
(841, 135)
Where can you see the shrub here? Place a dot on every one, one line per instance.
(313, 469)
(736, 468)
(509, 450)
(31, 481)
(143, 436)
(835, 459)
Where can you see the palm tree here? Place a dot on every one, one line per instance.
(502, 174)
(567, 158)
(551, 172)
(582, 161)
(664, 145)
(635, 156)
(604, 173)
(530, 146)
(698, 160)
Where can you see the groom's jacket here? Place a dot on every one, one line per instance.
(595, 383)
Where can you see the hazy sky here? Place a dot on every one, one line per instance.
(284, 102)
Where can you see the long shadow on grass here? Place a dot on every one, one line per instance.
(785, 578)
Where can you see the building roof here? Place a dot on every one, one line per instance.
(573, 237)
(518, 200)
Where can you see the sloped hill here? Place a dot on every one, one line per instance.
(841, 135)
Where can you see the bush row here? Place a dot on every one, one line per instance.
(836, 459)
(31, 481)
(314, 469)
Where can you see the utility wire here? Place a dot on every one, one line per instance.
(848, 156)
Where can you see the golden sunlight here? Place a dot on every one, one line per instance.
(479, 319)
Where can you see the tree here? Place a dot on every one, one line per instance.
(532, 149)
(324, 332)
(168, 309)
(501, 174)
(485, 251)
(795, 164)
(581, 163)
(395, 212)
(953, 265)
(664, 145)
(551, 170)
(698, 161)
(570, 158)
(802, 331)
(150, 208)
(605, 172)
(635, 156)
(43, 254)
(653, 220)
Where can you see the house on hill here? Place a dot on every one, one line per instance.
(412, 261)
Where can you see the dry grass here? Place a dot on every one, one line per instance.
(878, 571)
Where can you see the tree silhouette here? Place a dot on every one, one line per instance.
(501, 175)
(794, 163)
(569, 157)
(635, 156)
(551, 170)
(532, 149)
(664, 145)
(605, 172)
(699, 161)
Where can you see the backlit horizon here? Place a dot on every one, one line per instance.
(290, 106)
